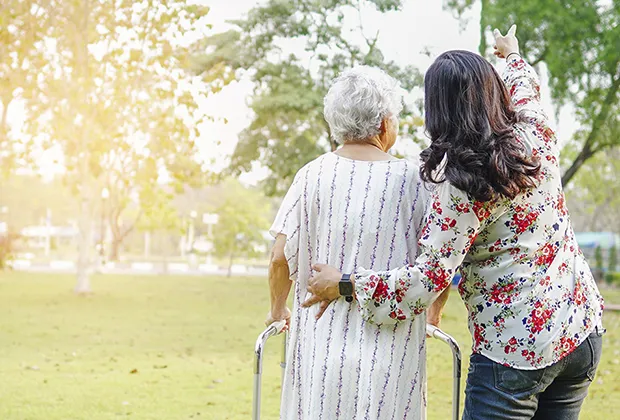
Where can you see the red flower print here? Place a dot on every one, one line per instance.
(437, 206)
(523, 219)
(502, 294)
(546, 255)
(381, 291)
(578, 296)
(539, 317)
(438, 277)
(481, 210)
(565, 346)
(462, 208)
(561, 206)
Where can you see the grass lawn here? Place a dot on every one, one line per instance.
(178, 348)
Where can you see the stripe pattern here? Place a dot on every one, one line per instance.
(351, 214)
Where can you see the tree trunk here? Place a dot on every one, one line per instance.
(84, 245)
(230, 264)
(85, 220)
(114, 249)
(147, 245)
(583, 156)
(482, 47)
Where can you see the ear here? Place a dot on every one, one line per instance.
(384, 126)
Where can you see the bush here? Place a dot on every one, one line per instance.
(6, 249)
(613, 278)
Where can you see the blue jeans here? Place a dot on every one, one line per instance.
(498, 392)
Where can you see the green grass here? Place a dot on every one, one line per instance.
(188, 342)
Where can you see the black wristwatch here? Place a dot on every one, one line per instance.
(346, 287)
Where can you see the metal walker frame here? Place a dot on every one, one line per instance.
(277, 327)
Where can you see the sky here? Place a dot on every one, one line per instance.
(405, 37)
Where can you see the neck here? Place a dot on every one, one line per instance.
(374, 142)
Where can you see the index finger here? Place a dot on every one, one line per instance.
(312, 300)
(497, 33)
(318, 267)
(512, 31)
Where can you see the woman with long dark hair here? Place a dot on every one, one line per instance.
(498, 215)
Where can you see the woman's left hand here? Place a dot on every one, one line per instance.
(323, 286)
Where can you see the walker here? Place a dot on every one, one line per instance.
(277, 327)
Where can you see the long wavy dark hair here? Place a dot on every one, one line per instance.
(470, 118)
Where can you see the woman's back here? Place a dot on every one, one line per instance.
(351, 213)
(548, 295)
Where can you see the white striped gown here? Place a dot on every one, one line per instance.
(352, 214)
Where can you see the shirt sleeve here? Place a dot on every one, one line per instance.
(524, 87)
(288, 222)
(451, 226)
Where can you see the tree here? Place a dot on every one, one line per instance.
(613, 259)
(598, 261)
(594, 208)
(22, 29)
(113, 96)
(578, 40)
(244, 215)
(288, 129)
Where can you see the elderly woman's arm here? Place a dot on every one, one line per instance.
(279, 283)
(386, 297)
(283, 263)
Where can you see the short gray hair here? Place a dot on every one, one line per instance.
(359, 100)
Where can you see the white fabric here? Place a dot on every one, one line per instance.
(350, 214)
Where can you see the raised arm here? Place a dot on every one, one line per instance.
(523, 84)
(386, 297)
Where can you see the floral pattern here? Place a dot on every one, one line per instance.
(528, 289)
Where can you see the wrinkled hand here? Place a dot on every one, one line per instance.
(323, 286)
(434, 321)
(280, 314)
(506, 45)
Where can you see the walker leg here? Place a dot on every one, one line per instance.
(435, 332)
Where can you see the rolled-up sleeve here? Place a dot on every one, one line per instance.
(451, 226)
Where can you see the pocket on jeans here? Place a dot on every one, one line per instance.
(515, 381)
(595, 344)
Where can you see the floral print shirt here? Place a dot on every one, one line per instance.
(529, 292)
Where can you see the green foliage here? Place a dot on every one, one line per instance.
(244, 215)
(578, 40)
(594, 194)
(288, 129)
(613, 278)
(612, 261)
(598, 258)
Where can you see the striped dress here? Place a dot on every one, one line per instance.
(352, 214)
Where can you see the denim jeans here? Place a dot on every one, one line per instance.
(557, 392)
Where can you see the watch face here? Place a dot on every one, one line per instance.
(346, 288)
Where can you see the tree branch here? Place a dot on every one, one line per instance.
(588, 149)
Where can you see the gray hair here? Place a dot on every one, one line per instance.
(359, 100)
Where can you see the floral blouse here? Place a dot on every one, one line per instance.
(528, 289)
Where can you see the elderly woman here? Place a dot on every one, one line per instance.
(358, 206)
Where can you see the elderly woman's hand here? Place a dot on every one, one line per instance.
(323, 286)
(279, 314)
